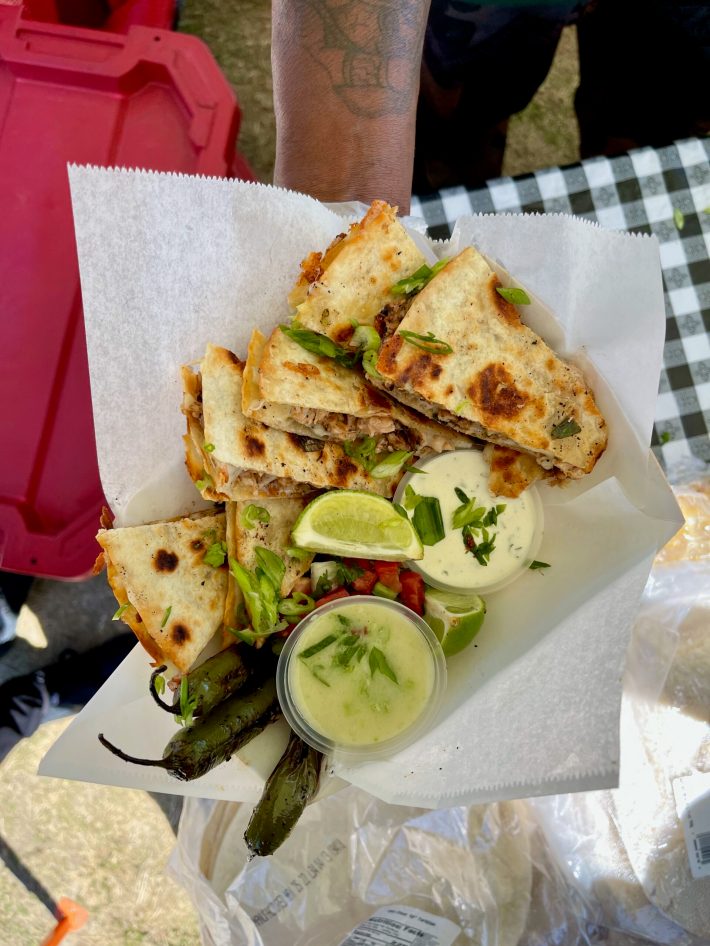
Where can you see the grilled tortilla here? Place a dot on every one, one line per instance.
(292, 389)
(274, 535)
(500, 382)
(248, 459)
(175, 599)
(511, 472)
(352, 279)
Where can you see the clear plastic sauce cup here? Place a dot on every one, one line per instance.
(361, 676)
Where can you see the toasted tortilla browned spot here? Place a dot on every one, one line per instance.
(511, 472)
(421, 368)
(343, 335)
(308, 371)
(165, 561)
(179, 633)
(232, 357)
(196, 545)
(345, 469)
(494, 392)
(253, 445)
(311, 267)
(387, 361)
(374, 398)
(506, 310)
(296, 440)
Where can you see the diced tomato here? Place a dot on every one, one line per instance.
(364, 583)
(334, 595)
(362, 563)
(388, 574)
(412, 593)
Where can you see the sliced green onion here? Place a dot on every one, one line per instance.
(390, 465)
(362, 450)
(208, 447)
(318, 647)
(365, 338)
(382, 591)
(468, 514)
(245, 634)
(678, 218)
(427, 520)
(299, 603)
(301, 555)
(369, 364)
(378, 662)
(187, 704)
(272, 566)
(418, 279)
(120, 611)
(568, 428)
(216, 554)
(514, 294)
(253, 514)
(535, 566)
(205, 482)
(319, 344)
(428, 342)
(411, 499)
(168, 611)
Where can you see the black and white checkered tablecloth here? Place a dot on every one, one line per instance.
(665, 191)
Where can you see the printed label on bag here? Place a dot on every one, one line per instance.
(402, 926)
(692, 798)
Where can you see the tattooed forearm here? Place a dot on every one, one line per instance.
(370, 51)
(346, 78)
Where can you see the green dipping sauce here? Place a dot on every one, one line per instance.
(362, 674)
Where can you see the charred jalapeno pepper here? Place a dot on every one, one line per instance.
(215, 737)
(211, 682)
(288, 790)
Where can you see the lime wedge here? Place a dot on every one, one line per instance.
(454, 618)
(357, 524)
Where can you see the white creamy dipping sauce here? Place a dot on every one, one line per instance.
(518, 529)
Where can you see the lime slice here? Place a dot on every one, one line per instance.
(454, 618)
(357, 524)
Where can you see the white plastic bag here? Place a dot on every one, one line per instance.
(558, 871)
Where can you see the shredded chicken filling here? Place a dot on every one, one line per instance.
(342, 426)
(474, 429)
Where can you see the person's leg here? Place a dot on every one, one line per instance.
(71, 681)
(13, 592)
(481, 64)
(24, 702)
(644, 74)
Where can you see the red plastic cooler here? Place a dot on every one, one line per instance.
(150, 99)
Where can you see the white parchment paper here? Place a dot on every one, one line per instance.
(170, 262)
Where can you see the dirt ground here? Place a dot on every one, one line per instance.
(104, 847)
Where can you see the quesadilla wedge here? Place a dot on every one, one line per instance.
(352, 279)
(462, 355)
(269, 527)
(230, 456)
(511, 472)
(292, 389)
(173, 598)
